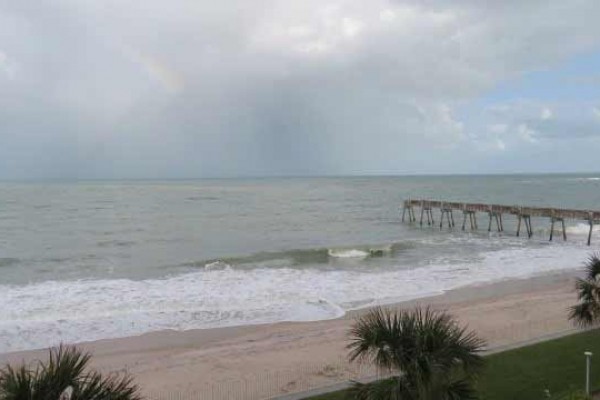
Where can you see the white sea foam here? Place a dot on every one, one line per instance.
(215, 265)
(582, 228)
(585, 179)
(348, 253)
(44, 314)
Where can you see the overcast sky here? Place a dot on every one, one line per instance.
(198, 88)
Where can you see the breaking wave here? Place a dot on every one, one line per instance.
(582, 229)
(350, 253)
(303, 257)
(44, 314)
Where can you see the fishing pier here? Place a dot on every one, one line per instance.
(495, 213)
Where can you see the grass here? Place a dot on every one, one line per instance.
(526, 373)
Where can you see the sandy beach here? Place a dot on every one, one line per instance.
(262, 361)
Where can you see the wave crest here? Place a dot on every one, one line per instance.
(348, 253)
(582, 229)
(216, 265)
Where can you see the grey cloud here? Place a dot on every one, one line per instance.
(186, 89)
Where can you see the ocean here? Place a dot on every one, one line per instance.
(91, 260)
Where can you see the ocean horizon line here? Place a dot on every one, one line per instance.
(278, 177)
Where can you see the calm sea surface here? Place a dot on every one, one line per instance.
(89, 260)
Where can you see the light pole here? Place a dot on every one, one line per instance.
(588, 365)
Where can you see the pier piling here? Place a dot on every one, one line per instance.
(528, 225)
(564, 231)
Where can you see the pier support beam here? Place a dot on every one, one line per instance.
(445, 212)
(498, 218)
(564, 231)
(589, 242)
(408, 209)
(472, 219)
(527, 220)
(426, 210)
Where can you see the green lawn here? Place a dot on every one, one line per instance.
(525, 373)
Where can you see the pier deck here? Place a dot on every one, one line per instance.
(495, 213)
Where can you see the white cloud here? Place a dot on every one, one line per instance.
(500, 145)
(498, 128)
(7, 68)
(527, 134)
(522, 122)
(387, 15)
(596, 112)
(546, 114)
(299, 31)
(438, 124)
(351, 27)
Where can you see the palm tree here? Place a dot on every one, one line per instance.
(587, 312)
(429, 355)
(64, 376)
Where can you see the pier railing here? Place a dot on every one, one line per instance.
(495, 213)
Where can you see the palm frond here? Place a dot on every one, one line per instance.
(94, 386)
(584, 314)
(459, 389)
(587, 312)
(592, 267)
(373, 337)
(16, 384)
(586, 289)
(64, 371)
(422, 345)
(395, 388)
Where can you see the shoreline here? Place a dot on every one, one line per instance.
(284, 357)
